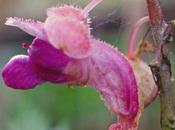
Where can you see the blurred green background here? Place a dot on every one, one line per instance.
(56, 107)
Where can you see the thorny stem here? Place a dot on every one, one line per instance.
(134, 32)
(90, 6)
(161, 69)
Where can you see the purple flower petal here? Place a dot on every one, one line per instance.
(48, 61)
(51, 75)
(44, 55)
(34, 28)
(19, 73)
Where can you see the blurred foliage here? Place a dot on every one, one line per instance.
(52, 107)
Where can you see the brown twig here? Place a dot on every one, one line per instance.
(161, 68)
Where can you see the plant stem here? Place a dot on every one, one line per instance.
(90, 6)
(134, 32)
(161, 68)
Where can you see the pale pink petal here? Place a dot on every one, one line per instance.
(65, 11)
(69, 34)
(34, 28)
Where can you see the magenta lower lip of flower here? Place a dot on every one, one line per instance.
(19, 73)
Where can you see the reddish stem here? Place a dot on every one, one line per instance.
(134, 33)
(90, 6)
(155, 12)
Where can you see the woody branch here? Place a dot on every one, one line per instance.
(161, 68)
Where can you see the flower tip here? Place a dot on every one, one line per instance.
(25, 45)
(131, 56)
(115, 126)
(9, 21)
(18, 73)
(121, 126)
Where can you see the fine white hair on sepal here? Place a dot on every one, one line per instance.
(32, 27)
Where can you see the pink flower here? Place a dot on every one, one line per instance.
(64, 51)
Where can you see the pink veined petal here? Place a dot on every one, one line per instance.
(34, 28)
(19, 73)
(113, 76)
